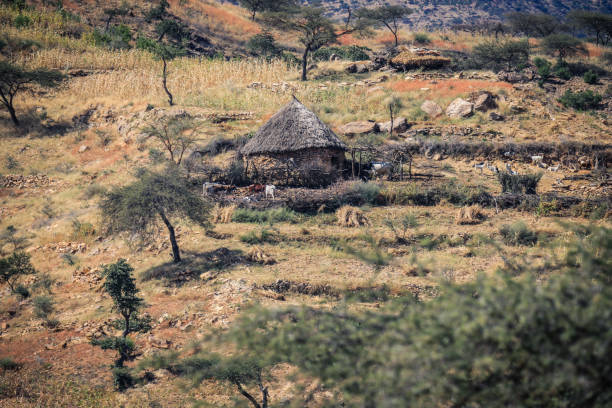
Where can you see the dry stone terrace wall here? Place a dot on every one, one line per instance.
(327, 159)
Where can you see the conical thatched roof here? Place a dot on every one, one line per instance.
(292, 128)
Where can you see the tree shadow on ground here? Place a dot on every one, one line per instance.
(193, 265)
(35, 123)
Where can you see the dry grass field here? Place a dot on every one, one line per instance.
(218, 282)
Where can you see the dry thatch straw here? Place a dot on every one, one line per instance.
(223, 215)
(293, 128)
(257, 255)
(470, 215)
(351, 217)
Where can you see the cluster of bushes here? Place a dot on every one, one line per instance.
(519, 183)
(581, 100)
(501, 55)
(270, 216)
(345, 52)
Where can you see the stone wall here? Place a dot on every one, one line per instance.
(273, 166)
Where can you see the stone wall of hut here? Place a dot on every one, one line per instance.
(273, 166)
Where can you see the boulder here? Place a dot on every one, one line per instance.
(460, 108)
(360, 67)
(83, 148)
(496, 117)
(399, 125)
(334, 57)
(359, 128)
(512, 77)
(431, 108)
(484, 101)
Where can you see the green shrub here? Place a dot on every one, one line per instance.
(144, 43)
(43, 306)
(519, 183)
(544, 69)
(421, 38)
(546, 208)
(518, 234)
(499, 55)
(271, 216)
(94, 190)
(582, 100)
(82, 230)
(264, 45)
(369, 192)
(590, 77)
(562, 70)
(261, 237)
(22, 21)
(22, 291)
(7, 363)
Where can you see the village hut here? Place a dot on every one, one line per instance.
(294, 138)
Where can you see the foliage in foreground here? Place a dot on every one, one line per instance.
(496, 342)
(581, 100)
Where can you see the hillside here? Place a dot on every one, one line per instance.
(435, 14)
(466, 240)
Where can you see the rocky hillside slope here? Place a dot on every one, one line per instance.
(445, 13)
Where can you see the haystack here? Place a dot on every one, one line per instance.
(223, 215)
(257, 255)
(470, 215)
(351, 217)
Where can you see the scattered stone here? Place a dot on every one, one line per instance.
(83, 148)
(496, 117)
(484, 101)
(359, 128)
(460, 108)
(21, 182)
(399, 125)
(516, 109)
(431, 108)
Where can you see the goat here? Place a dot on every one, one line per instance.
(554, 168)
(479, 166)
(208, 188)
(256, 188)
(494, 169)
(381, 169)
(270, 191)
(510, 171)
(536, 159)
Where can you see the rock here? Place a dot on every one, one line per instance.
(4, 325)
(512, 77)
(484, 101)
(437, 157)
(359, 128)
(431, 108)
(496, 117)
(399, 125)
(514, 108)
(375, 89)
(360, 67)
(460, 108)
(334, 57)
(83, 148)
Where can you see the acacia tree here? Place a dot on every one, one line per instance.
(15, 80)
(175, 133)
(120, 285)
(113, 12)
(599, 24)
(314, 29)
(534, 24)
(386, 16)
(14, 267)
(562, 46)
(138, 207)
(258, 6)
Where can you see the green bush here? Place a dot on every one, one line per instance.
(264, 45)
(22, 21)
(562, 70)
(544, 68)
(271, 216)
(7, 363)
(43, 306)
(582, 100)
(519, 183)
(261, 237)
(518, 234)
(421, 38)
(369, 192)
(590, 77)
(22, 291)
(82, 230)
(500, 55)
(144, 43)
(94, 190)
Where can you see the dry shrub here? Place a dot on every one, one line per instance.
(257, 255)
(223, 215)
(470, 215)
(351, 217)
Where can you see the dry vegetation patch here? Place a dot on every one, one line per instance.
(351, 217)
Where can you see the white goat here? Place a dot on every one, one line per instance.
(479, 166)
(270, 189)
(536, 159)
(493, 169)
(510, 171)
(554, 168)
(381, 169)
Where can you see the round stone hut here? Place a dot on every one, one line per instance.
(294, 139)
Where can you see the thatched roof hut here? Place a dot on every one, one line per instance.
(297, 136)
(291, 129)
